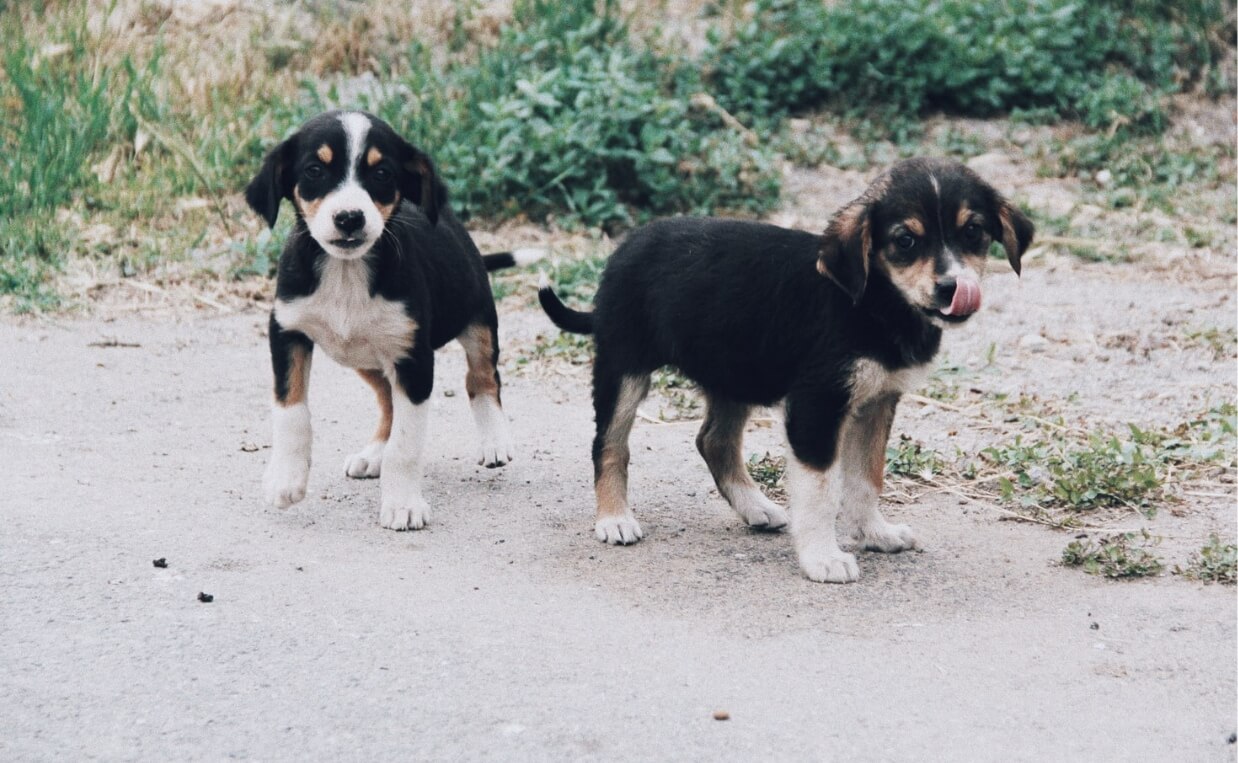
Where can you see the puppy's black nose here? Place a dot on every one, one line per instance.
(944, 291)
(352, 220)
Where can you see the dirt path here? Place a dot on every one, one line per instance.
(506, 631)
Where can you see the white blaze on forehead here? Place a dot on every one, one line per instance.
(356, 127)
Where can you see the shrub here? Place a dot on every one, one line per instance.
(1100, 62)
(567, 117)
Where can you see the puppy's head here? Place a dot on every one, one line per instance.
(346, 173)
(927, 225)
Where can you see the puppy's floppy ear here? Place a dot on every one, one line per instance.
(419, 181)
(1017, 232)
(274, 182)
(846, 248)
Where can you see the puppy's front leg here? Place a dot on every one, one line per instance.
(815, 484)
(864, 457)
(288, 470)
(403, 507)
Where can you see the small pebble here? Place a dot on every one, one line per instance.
(161, 562)
(721, 715)
(1095, 626)
(205, 598)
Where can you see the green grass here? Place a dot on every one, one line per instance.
(1215, 562)
(1123, 556)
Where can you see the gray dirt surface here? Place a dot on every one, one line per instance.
(505, 631)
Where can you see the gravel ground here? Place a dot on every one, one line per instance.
(505, 631)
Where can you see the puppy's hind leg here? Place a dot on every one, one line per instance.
(481, 349)
(368, 461)
(720, 443)
(615, 399)
(863, 458)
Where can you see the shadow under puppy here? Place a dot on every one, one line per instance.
(379, 273)
(835, 326)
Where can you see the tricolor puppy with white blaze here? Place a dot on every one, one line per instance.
(379, 273)
(834, 327)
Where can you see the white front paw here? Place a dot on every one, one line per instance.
(495, 451)
(410, 513)
(828, 564)
(366, 463)
(760, 512)
(888, 538)
(285, 480)
(619, 531)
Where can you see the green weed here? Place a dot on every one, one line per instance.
(1117, 556)
(1215, 562)
(908, 458)
(769, 472)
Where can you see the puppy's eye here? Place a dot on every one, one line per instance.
(382, 174)
(905, 241)
(972, 233)
(314, 171)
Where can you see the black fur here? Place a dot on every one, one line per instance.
(424, 259)
(758, 314)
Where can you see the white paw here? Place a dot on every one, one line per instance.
(619, 531)
(495, 452)
(888, 538)
(412, 513)
(824, 564)
(760, 512)
(365, 463)
(285, 480)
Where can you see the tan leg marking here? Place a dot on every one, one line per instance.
(478, 350)
(382, 389)
(720, 443)
(298, 376)
(611, 485)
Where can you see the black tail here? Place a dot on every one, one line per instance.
(521, 257)
(575, 321)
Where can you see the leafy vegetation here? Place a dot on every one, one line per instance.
(1215, 562)
(1127, 555)
(1102, 63)
(908, 458)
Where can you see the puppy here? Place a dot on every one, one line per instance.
(835, 327)
(379, 274)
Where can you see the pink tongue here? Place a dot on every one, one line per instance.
(966, 298)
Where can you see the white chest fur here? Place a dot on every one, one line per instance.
(354, 328)
(870, 379)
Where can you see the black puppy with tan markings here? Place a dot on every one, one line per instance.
(379, 273)
(835, 326)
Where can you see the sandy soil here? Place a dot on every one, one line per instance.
(506, 631)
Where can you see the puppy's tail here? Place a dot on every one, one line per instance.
(574, 321)
(512, 259)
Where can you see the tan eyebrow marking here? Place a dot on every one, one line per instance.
(373, 156)
(964, 216)
(914, 225)
(325, 154)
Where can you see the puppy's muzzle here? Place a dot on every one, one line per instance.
(957, 298)
(349, 222)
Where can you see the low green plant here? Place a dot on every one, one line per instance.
(909, 458)
(1127, 555)
(575, 349)
(769, 472)
(567, 117)
(1215, 562)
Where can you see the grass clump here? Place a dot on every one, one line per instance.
(567, 117)
(769, 472)
(909, 458)
(1104, 63)
(1118, 556)
(1215, 562)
